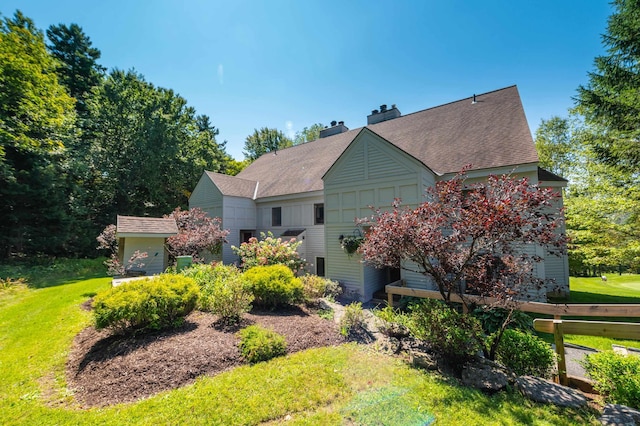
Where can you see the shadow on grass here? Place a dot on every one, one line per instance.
(51, 272)
(595, 298)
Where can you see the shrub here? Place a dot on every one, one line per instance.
(261, 344)
(352, 319)
(526, 354)
(616, 376)
(152, 303)
(274, 285)
(493, 318)
(224, 290)
(10, 284)
(270, 251)
(454, 336)
(315, 287)
(393, 322)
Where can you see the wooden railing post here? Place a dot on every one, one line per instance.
(559, 341)
(390, 298)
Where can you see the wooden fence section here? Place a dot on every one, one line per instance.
(557, 310)
(620, 330)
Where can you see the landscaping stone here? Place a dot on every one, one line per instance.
(423, 359)
(486, 375)
(547, 392)
(619, 415)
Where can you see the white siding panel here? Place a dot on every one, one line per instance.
(154, 247)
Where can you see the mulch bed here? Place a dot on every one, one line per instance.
(106, 369)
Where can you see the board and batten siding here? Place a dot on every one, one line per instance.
(238, 214)
(155, 262)
(370, 173)
(298, 212)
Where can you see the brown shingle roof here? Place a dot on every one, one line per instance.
(146, 225)
(490, 133)
(232, 185)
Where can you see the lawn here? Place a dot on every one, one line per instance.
(350, 384)
(617, 289)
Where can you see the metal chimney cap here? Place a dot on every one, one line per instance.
(333, 123)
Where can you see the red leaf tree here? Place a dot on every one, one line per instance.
(197, 232)
(479, 239)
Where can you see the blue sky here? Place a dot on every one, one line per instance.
(289, 64)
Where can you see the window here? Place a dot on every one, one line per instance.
(246, 235)
(318, 214)
(320, 266)
(276, 216)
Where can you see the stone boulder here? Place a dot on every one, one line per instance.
(619, 415)
(486, 375)
(547, 392)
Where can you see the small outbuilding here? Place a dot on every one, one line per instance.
(145, 234)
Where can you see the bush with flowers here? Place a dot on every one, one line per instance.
(269, 250)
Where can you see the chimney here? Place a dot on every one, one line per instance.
(383, 115)
(336, 127)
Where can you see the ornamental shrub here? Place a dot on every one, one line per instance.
(492, 319)
(152, 303)
(261, 344)
(270, 251)
(224, 290)
(616, 376)
(454, 336)
(274, 285)
(315, 287)
(393, 322)
(526, 354)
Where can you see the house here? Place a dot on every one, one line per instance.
(314, 191)
(146, 235)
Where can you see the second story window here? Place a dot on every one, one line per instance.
(318, 213)
(276, 216)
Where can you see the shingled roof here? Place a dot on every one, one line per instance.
(152, 226)
(233, 185)
(492, 132)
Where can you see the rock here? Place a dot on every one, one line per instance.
(423, 359)
(547, 392)
(619, 415)
(486, 375)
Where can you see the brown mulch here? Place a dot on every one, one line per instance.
(106, 369)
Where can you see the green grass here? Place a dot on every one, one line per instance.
(617, 289)
(335, 385)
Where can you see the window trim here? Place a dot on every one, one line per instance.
(316, 207)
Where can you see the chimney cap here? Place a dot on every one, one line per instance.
(383, 107)
(341, 123)
(333, 123)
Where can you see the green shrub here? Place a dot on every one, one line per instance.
(315, 287)
(493, 318)
(393, 322)
(274, 285)
(454, 336)
(10, 284)
(270, 251)
(223, 290)
(261, 344)
(352, 319)
(526, 354)
(151, 303)
(616, 376)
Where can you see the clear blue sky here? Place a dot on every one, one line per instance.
(289, 64)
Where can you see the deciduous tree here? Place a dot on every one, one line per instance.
(197, 232)
(308, 134)
(263, 141)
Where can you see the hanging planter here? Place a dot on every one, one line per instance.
(351, 243)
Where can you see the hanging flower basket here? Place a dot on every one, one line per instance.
(350, 243)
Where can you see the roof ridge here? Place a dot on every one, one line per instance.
(231, 176)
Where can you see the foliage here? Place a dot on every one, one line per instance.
(393, 321)
(525, 353)
(473, 236)
(616, 376)
(308, 134)
(326, 313)
(315, 287)
(351, 243)
(314, 386)
(151, 303)
(454, 336)
(558, 145)
(197, 232)
(264, 140)
(261, 344)
(493, 319)
(352, 319)
(274, 285)
(223, 290)
(611, 99)
(10, 284)
(270, 251)
(77, 68)
(37, 121)
(107, 240)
